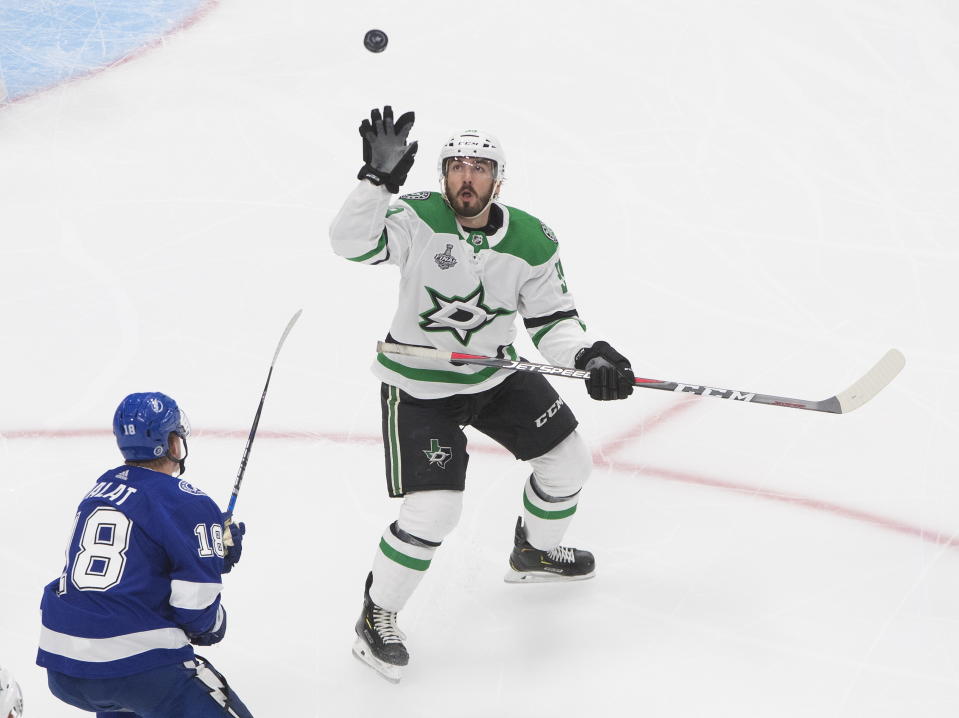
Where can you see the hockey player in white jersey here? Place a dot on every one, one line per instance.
(468, 266)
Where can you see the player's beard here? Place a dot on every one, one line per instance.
(476, 203)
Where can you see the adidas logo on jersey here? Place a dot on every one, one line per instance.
(123, 475)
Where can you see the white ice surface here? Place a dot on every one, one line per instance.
(760, 196)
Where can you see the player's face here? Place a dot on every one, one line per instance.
(470, 183)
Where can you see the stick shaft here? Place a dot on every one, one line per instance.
(256, 419)
(858, 394)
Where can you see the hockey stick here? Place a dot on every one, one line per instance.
(874, 381)
(256, 423)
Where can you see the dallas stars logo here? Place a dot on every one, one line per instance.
(438, 455)
(460, 316)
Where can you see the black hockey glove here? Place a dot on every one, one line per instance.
(233, 542)
(610, 376)
(386, 156)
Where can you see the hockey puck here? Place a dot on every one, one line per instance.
(375, 40)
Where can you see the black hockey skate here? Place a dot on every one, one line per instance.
(379, 643)
(530, 565)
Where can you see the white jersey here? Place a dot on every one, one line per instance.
(460, 289)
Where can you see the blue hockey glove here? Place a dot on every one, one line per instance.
(386, 156)
(232, 542)
(215, 634)
(610, 376)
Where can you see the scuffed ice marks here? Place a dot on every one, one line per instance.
(47, 42)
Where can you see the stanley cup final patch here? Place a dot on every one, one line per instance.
(445, 260)
(438, 455)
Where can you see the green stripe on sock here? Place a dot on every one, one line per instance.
(417, 564)
(549, 515)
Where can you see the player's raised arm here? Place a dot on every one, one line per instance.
(365, 230)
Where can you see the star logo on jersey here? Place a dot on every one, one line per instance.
(460, 316)
(438, 455)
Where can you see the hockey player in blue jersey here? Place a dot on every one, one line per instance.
(142, 582)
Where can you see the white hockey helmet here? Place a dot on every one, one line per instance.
(473, 143)
(11, 699)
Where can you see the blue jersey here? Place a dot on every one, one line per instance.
(143, 570)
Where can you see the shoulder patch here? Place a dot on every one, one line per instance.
(548, 232)
(188, 488)
(432, 209)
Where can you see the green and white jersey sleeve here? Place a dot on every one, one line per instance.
(460, 289)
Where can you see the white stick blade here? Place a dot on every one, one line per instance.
(875, 380)
(406, 349)
(289, 326)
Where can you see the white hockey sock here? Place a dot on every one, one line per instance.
(546, 517)
(400, 564)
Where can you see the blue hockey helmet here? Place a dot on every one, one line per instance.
(143, 423)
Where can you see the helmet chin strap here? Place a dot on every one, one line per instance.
(181, 462)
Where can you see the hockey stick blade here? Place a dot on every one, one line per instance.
(875, 380)
(259, 410)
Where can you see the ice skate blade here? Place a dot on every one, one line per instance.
(514, 576)
(389, 671)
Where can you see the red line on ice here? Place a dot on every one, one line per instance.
(642, 428)
(601, 458)
(793, 499)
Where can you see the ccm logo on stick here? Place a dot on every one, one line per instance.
(710, 391)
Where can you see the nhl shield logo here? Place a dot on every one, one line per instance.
(446, 259)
